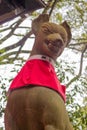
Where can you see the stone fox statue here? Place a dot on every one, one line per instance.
(36, 99)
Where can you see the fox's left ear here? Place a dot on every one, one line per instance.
(68, 30)
(36, 23)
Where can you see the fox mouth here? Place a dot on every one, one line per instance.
(54, 46)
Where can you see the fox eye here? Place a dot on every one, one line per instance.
(46, 30)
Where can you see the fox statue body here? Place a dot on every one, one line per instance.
(36, 99)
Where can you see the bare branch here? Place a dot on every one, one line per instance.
(80, 68)
(6, 56)
(10, 27)
(13, 28)
(73, 48)
(18, 35)
(47, 7)
(10, 61)
(77, 44)
(52, 8)
(20, 43)
(28, 35)
(24, 27)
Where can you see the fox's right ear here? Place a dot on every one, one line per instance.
(36, 23)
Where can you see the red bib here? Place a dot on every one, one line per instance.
(39, 73)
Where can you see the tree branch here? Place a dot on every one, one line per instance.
(5, 29)
(20, 43)
(28, 35)
(77, 44)
(6, 56)
(80, 68)
(53, 6)
(73, 48)
(13, 27)
(10, 61)
(47, 7)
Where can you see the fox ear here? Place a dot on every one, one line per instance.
(68, 30)
(36, 23)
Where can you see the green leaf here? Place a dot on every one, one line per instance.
(59, 17)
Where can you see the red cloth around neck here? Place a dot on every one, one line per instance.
(40, 73)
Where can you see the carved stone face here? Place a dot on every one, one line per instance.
(51, 40)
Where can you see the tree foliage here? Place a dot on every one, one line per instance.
(16, 35)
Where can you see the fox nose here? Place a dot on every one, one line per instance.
(57, 42)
